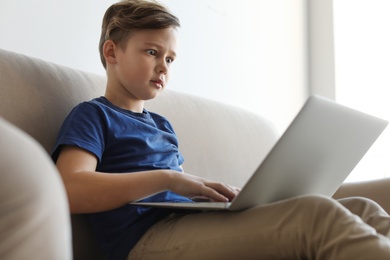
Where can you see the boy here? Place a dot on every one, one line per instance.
(111, 151)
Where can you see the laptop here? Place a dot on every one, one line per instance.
(314, 156)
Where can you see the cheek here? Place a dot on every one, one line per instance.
(167, 77)
(132, 66)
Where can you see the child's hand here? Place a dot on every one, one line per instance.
(196, 187)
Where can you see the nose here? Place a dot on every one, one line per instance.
(162, 67)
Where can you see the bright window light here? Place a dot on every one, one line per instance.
(362, 68)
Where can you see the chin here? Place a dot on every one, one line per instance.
(153, 95)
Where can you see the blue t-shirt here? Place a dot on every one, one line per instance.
(122, 141)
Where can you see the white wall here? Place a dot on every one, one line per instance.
(249, 53)
(64, 32)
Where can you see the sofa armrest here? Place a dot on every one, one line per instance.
(34, 213)
(377, 190)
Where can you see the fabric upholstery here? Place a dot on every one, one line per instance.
(34, 213)
(36, 95)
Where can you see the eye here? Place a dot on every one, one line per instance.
(169, 60)
(152, 52)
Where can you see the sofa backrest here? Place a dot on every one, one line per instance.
(36, 95)
(218, 141)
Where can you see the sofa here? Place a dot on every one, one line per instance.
(218, 141)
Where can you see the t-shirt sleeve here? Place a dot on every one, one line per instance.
(84, 128)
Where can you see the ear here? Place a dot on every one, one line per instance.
(109, 51)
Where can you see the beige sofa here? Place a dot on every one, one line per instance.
(218, 141)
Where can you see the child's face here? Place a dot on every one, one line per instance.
(142, 67)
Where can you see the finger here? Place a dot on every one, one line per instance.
(236, 189)
(225, 190)
(214, 195)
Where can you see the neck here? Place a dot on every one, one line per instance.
(127, 103)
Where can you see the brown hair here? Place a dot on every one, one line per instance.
(124, 17)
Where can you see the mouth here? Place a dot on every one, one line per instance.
(158, 83)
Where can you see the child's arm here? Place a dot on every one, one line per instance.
(90, 191)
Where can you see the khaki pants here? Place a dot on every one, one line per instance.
(310, 227)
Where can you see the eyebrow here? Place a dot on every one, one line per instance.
(153, 44)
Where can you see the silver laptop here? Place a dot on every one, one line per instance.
(315, 155)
